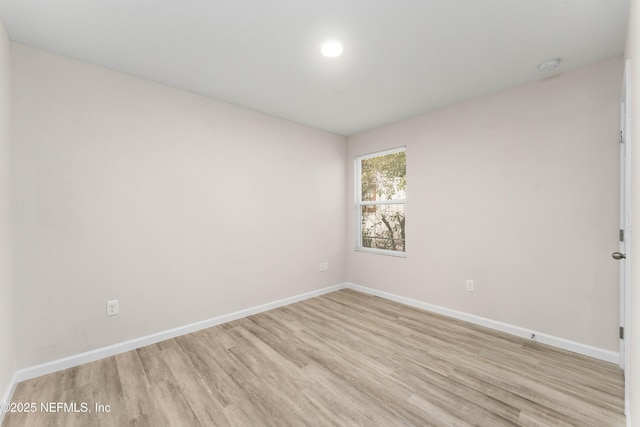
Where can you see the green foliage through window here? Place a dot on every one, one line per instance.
(382, 198)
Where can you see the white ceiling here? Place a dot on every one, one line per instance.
(401, 57)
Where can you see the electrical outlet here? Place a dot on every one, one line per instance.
(470, 285)
(324, 266)
(113, 307)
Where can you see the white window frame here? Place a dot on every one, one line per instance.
(359, 203)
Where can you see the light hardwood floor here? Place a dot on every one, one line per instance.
(341, 359)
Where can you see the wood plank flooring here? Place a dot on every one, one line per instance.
(342, 359)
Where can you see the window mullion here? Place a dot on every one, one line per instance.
(382, 202)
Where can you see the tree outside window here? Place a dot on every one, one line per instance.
(381, 199)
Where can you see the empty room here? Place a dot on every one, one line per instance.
(340, 213)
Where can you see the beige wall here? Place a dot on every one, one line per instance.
(7, 353)
(180, 207)
(633, 330)
(519, 192)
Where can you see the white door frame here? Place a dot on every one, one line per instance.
(625, 223)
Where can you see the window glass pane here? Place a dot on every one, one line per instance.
(384, 177)
(383, 227)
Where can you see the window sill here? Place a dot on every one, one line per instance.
(396, 254)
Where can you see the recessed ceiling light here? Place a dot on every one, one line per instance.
(549, 65)
(331, 48)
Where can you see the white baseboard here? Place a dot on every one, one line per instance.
(8, 393)
(112, 350)
(598, 353)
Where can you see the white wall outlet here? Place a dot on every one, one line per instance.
(113, 307)
(324, 266)
(470, 285)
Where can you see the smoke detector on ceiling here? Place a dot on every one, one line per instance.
(549, 65)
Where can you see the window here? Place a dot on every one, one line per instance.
(381, 193)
